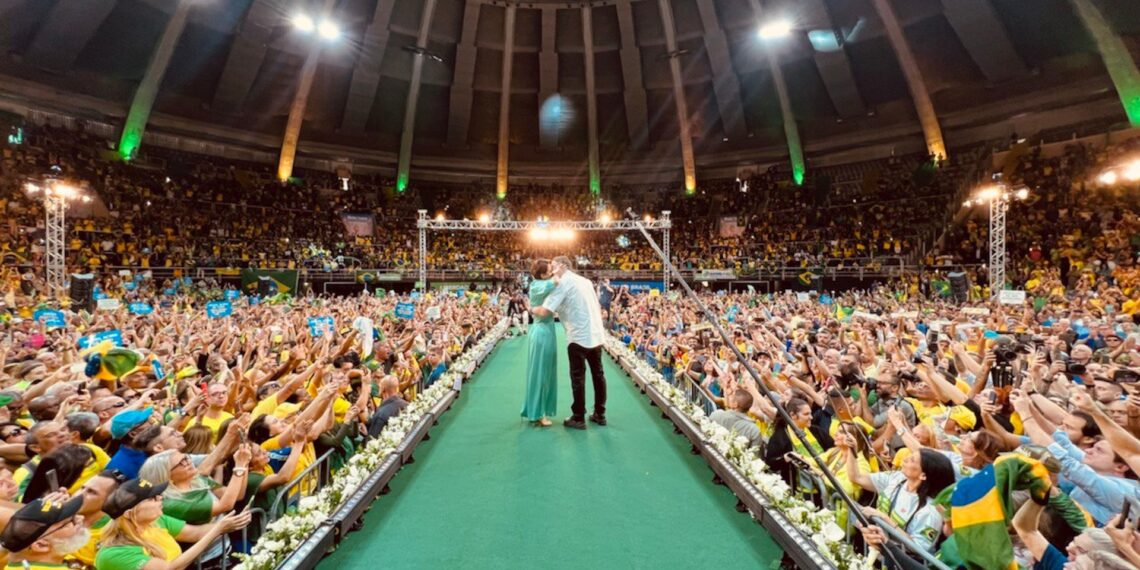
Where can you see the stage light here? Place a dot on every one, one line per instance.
(967, 204)
(776, 29)
(439, 217)
(605, 218)
(328, 30)
(304, 23)
(484, 217)
(1022, 193)
(989, 193)
(1132, 171)
(1108, 178)
(31, 188)
(648, 218)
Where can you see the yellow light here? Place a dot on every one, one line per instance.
(31, 188)
(648, 218)
(484, 217)
(605, 218)
(967, 204)
(1132, 172)
(563, 234)
(989, 193)
(1108, 178)
(439, 217)
(1022, 194)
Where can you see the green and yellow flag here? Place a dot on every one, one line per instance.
(843, 313)
(981, 508)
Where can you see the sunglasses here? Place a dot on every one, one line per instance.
(13, 432)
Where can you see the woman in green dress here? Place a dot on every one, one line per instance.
(541, 372)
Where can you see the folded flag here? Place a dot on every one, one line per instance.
(981, 508)
(844, 313)
(940, 287)
(807, 277)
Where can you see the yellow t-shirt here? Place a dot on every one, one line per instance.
(215, 424)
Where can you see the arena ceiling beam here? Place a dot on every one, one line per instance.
(791, 129)
(502, 171)
(366, 73)
(405, 159)
(143, 102)
(923, 106)
(726, 87)
(66, 30)
(246, 54)
(636, 105)
(587, 226)
(1117, 59)
(463, 78)
(292, 137)
(688, 163)
(980, 31)
(591, 102)
(548, 77)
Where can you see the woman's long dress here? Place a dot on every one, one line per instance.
(541, 372)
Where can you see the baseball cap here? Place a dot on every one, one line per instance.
(124, 422)
(129, 495)
(32, 521)
(962, 416)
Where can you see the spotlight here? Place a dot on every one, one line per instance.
(484, 217)
(328, 30)
(648, 218)
(32, 188)
(1108, 178)
(776, 29)
(304, 23)
(1022, 193)
(989, 193)
(439, 217)
(967, 204)
(1132, 172)
(605, 218)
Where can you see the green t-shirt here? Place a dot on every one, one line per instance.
(194, 507)
(132, 557)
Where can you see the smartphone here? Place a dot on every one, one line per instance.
(53, 481)
(1124, 514)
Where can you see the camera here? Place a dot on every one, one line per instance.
(1076, 368)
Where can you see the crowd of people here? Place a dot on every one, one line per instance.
(175, 429)
(903, 400)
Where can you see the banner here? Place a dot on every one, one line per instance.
(219, 309)
(714, 275)
(318, 326)
(232, 294)
(364, 328)
(140, 309)
(730, 227)
(637, 287)
(406, 311)
(286, 279)
(115, 336)
(108, 304)
(1011, 297)
(366, 276)
(51, 319)
(359, 224)
(433, 313)
(156, 367)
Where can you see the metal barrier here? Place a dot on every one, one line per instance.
(301, 485)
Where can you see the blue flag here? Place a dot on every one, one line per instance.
(115, 336)
(156, 367)
(415, 295)
(232, 294)
(825, 299)
(406, 311)
(219, 309)
(140, 309)
(51, 319)
(318, 326)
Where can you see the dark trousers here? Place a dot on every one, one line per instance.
(579, 356)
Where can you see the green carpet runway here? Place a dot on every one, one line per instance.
(490, 491)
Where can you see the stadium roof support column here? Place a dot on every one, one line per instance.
(977, 25)
(147, 90)
(366, 73)
(788, 116)
(300, 102)
(918, 93)
(725, 85)
(548, 78)
(405, 160)
(1121, 67)
(591, 101)
(68, 28)
(636, 107)
(687, 161)
(501, 175)
(246, 55)
(459, 110)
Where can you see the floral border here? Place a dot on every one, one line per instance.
(284, 536)
(809, 520)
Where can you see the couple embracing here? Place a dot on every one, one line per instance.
(556, 289)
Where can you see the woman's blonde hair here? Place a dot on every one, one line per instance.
(199, 440)
(127, 531)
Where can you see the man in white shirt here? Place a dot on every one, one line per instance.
(576, 303)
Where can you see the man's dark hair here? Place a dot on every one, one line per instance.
(742, 401)
(83, 423)
(1090, 428)
(147, 438)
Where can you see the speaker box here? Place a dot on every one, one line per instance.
(266, 287)
(959, 286)
(82, 292)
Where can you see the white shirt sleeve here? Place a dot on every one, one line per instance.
(554, 300)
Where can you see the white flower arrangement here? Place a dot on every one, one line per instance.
(286, 534)
(818, 524)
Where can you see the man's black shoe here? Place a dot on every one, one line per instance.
(576, 423)
(600, 420)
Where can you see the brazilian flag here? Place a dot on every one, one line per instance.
(807, 277)
(941, 287)
(981, 508)
(844, 313)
